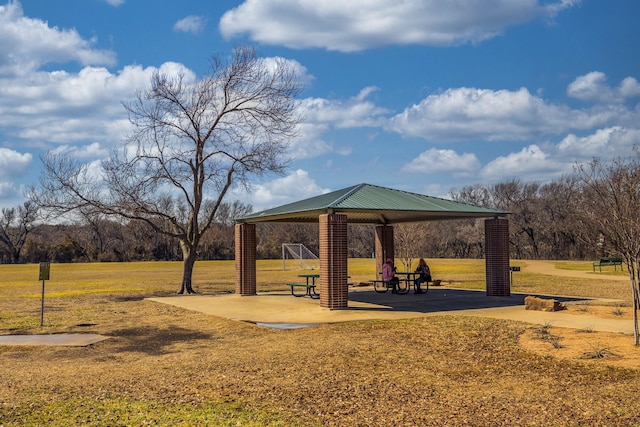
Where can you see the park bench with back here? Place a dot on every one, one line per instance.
(606, 261)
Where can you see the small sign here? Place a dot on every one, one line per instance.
(514, 268)
(45, 270)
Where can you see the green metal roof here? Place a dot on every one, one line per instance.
(371, 204)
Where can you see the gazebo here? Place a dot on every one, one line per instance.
(374, 205)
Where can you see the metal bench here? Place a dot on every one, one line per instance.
(615, 261)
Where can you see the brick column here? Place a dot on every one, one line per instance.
(245, 239)
(384, 245)
(496, 238)
(333, 286)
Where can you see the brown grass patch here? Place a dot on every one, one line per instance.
(163, 365)
(167, 366)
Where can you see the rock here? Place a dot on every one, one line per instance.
(535, 303)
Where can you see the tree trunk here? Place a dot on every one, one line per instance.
(189, 257)
(636, 308)
(634, 272)
(16, 256)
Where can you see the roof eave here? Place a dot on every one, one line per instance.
(372, 217)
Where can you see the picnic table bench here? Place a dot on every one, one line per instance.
(382, 286)
(612, 260)
(310, 286)
(310, 290)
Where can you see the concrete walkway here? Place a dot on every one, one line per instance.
(549, 267)
(286, 311)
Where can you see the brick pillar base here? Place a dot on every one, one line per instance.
(384, 245)
(245, 239)
(333, 261)
(496, 237)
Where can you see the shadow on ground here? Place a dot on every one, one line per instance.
(443, 300)
(154, 341)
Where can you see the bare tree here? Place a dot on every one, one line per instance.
(193, 140)
(556, 230)
(410, 242)
(15, 225)
(610, 200)
(522, 200)
(219, 241)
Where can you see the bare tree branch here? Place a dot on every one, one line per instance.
(610, 196)
(193, 141)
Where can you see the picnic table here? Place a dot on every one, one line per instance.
(309, 285)
(401, 287)
(406, 280)
(410, 279)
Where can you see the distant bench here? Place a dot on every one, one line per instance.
(612, 260)
(310, 290)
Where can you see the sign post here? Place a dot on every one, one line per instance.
(45, 270)
(512, 269)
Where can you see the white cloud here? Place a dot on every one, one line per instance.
(549, 161)
(115, 3)
(349, 113)
(41, 108)
(90, 151)
(296, 186)
(309, 143)
(604, 143)
(29, 43)
(364, 24)
(438, 161)
(13, 163)
(482, 114)
(61, 107)
(553, 9)
(191, 24)
(530, 163)
(629, 88)
(593, 87)
(301, 73)
(321, 116)
(8, 194)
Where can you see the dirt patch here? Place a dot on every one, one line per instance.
(586, 345)
(610, 311)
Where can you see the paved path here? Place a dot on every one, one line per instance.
(548, 267)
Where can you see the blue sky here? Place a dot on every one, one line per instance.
(423, 96)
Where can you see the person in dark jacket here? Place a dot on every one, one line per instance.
(425, 275)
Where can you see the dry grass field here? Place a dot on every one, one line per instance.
(163, 365)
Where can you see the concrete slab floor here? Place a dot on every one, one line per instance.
(282, 310)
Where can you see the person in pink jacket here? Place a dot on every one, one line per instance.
(389, 274)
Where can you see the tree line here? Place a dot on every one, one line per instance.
(544, 224)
